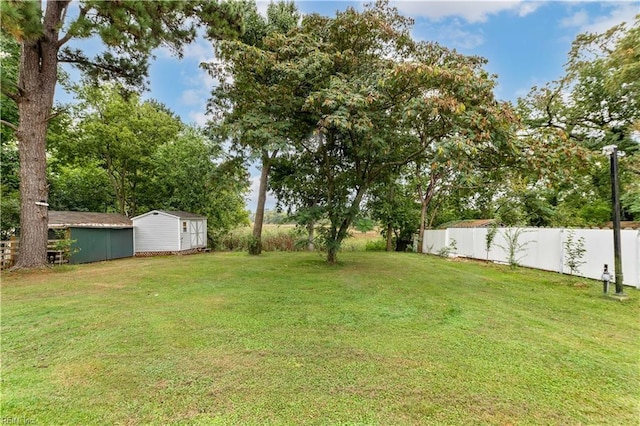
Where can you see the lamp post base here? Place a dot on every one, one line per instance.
(618, 296)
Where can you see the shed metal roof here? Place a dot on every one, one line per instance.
(175, 213)
(183, 215)
(66, 219)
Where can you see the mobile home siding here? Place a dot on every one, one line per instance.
(157, 233)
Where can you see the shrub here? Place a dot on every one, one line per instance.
(514, 248)
(447, 250)
(575, 251)
(376, 245)
(490, 237)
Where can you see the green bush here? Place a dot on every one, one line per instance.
(376, 245)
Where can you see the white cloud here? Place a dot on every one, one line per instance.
(163, 52)
(197, 91)
(198, 118)
(201, 50)
(252, 199)
(621, 13)
(527, 8)
(578, 19)
(190, 97)
(618, 13)
(455, 36)
(197, 82)
(522, 92)
(471, 11)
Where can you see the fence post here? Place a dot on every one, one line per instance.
(446, 237)
(637, 283)
(561, 236)
(14, 250)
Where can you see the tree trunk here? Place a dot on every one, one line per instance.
(33, 185)
(423, 218)
(255, 247)
(338, 234)
(425, 200)
(310, 238)
(36, 83)
(389, 237)
(332, 255)
(334, 241)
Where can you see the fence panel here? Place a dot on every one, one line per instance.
(479, 243)
(544, 248)
(434, 241)
(9, 253)
(464, 241)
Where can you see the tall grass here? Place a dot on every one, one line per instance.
(274, 238)
(291, 238)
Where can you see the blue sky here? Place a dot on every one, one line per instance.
(525, 42)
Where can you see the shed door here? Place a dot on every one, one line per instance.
(197, 233)
(185, 235)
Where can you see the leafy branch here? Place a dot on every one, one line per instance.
(514, 248)
(575, 250)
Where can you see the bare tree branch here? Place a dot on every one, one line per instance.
(9, 94)
(9, 125)
(68, 35)
(54, 115)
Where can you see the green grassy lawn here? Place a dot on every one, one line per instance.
(382, 338)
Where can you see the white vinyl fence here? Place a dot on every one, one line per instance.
(542, 248)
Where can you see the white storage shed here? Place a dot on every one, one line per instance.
(166, 232)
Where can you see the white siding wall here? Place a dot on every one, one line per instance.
(543, 248)
(156, 233)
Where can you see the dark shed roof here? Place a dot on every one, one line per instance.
(62, 220)
(474, 223)
(625, 224)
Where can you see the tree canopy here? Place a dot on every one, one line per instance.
(119, 153)
(354, 98)
(596, 103)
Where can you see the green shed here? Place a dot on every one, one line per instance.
(96, 236)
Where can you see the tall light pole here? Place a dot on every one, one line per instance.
(612, 152)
